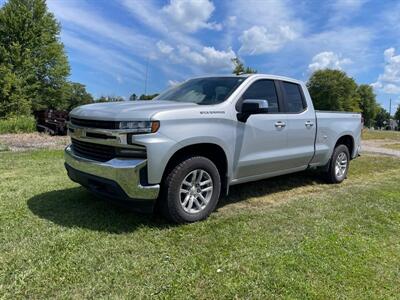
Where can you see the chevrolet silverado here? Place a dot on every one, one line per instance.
(185, 148)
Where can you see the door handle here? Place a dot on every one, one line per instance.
(309, 124)
(280, 124)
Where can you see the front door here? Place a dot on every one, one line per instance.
(262, 140)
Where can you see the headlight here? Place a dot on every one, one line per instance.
(140, 126)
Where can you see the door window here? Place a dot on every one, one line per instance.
(293, 97)
(263, 90)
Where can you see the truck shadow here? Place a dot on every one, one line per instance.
(76, 207)
(241, 192)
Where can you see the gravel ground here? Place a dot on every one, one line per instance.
(377, 146)
(30, 141)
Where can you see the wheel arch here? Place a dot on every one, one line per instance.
(212, 151)
(348, 141)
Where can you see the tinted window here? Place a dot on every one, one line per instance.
(210, 90)
(293, 98)
(263, 90)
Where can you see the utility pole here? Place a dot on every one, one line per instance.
(145, 80)
(390, 107)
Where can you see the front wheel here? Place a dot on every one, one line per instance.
(191, 190)
(339, 164)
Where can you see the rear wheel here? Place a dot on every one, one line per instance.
(191, 190)
(339, 164)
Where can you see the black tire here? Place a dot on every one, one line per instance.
(171, 205)
(331, 175)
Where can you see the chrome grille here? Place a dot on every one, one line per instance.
(103, 153)
(95, 123)
(93, 151)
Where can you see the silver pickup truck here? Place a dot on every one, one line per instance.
(184, 149)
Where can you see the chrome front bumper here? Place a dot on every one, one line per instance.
(124, 172)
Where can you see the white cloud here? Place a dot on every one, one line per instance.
(357, 49)
(262, 26)
(190, 56)
(191, 15)
(258, 39)
(389, 81)
(231, 21)
(176, 43)
(150, 14)
(218, 59)
(164, 47)
(207, 59)
(327, 60)
(157, 20)
(172, 83)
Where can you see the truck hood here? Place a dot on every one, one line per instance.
(126, 110)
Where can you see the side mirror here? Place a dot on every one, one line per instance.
(252, 107)
(255, 106)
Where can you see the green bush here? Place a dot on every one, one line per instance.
(20, 124)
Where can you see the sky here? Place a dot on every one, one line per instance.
(111, 44)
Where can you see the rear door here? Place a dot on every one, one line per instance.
(301, 126)
(262, 140)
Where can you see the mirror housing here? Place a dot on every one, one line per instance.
(255, 106)
(252, 107)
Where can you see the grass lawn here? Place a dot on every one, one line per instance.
(380, 134)
(290, 237)
(3, 147)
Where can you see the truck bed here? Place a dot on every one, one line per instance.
(330, 126)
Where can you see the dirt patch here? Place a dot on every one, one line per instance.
(30, 141)
(378, 147)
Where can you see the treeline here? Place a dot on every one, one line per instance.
(132, 97)
(33, 65)
(334, 90)
(34, 68)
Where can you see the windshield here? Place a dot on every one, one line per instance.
(203, 91)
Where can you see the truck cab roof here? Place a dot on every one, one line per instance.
(256, 75)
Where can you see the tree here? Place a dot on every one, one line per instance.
(240, 68)
(382, 117)
(13, 98)
(76, 95)
(333, 90)
(147, 97)
(32, 58)
(132, 97)
(110, 99)
(368, 105)
(397, 115)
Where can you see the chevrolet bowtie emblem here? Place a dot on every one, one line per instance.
(79, 132)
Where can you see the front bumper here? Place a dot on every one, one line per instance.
(118, 177)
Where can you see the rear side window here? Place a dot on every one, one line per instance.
(293, 97)
(263, 90)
